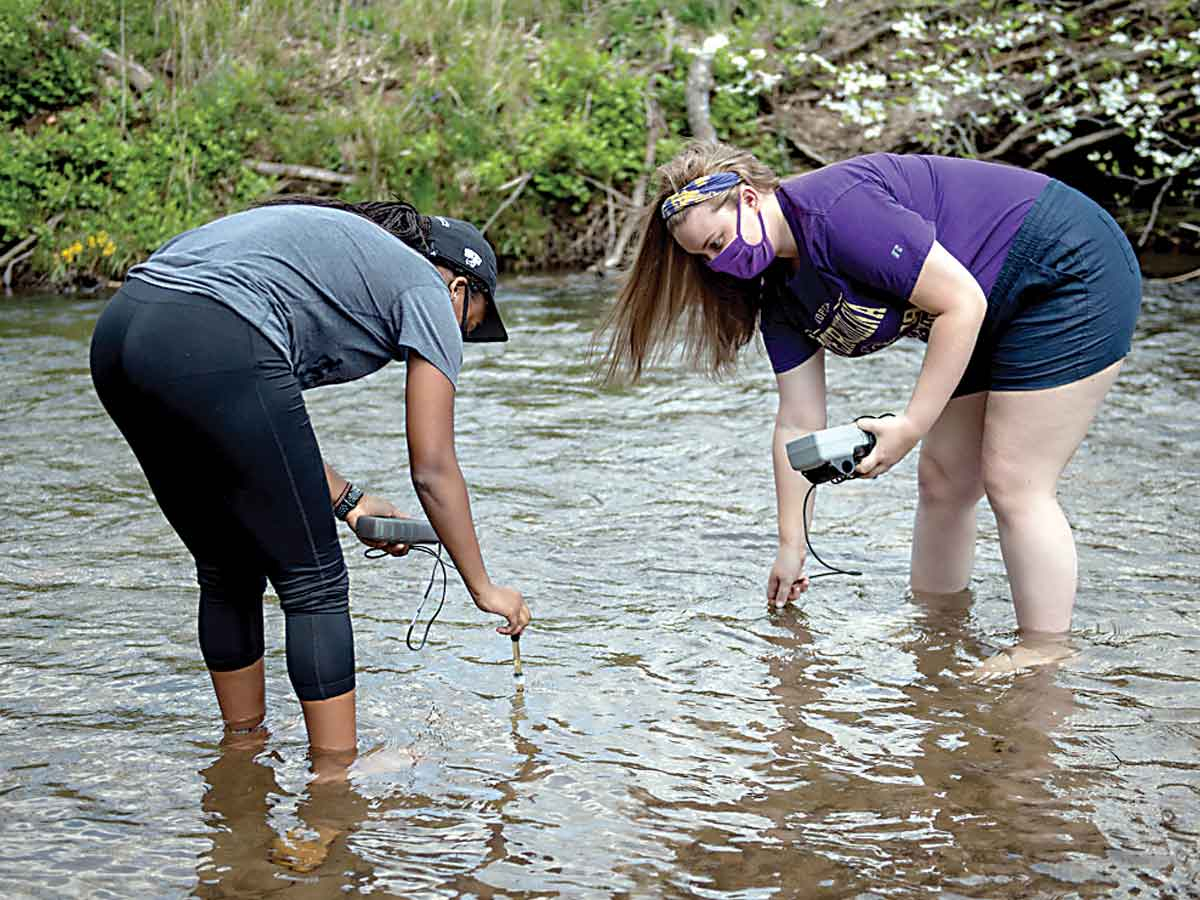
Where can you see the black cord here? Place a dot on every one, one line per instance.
(833, 570)
(438, 564)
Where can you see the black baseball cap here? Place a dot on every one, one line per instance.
(462, 248)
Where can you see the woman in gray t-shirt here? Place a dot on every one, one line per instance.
(200, 358)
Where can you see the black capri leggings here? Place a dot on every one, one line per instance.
(214, 415)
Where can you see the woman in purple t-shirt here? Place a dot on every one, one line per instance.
(1025, 291)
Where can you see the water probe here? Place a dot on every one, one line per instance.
(518, 675)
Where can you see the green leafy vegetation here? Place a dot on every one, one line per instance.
(533, 116)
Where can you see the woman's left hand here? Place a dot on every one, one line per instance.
(370, 505)
(894, 437)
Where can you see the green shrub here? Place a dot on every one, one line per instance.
(39, 72)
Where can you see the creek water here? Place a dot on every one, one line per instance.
(674, 738)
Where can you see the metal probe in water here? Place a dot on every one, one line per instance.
(517, 673)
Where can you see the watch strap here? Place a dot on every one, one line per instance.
(348, 501)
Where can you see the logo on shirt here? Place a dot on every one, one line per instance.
(822, 313)
(473, 259)
(443, 221)
(897, 251)
(851, 326)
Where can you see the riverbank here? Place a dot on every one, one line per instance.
(542, 122)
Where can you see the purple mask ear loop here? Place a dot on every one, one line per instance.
(762, 226)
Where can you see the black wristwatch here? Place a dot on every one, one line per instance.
(348, 502)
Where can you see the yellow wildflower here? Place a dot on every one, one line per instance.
(77, 248)
(109, 249)
(102, 237)
(91, 241)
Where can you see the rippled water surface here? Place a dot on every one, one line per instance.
(674, 738)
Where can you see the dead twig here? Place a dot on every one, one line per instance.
(613, 193)
(508, 201)
(1162, 192)
(654, 126)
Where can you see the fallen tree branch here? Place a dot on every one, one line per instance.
(1186, 276)
(9, 269)
(29, 241)
(304, 173)
(22, 251)
(508, 201)
(18, 250)
(139, 77)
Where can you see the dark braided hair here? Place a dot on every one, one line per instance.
(394, 216)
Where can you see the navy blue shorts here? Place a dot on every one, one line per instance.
(1065, 302)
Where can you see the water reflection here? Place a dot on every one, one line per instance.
(882, 782)
(674, 739)
(265, 839)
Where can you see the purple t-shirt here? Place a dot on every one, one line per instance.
(864, 227)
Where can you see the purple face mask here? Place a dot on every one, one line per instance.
(742, 260)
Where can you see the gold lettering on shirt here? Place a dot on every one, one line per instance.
(916, 324)
(851, 325)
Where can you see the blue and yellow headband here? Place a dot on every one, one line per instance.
(698, 191)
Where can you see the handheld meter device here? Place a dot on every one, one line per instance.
(830, 454)
(396, 531)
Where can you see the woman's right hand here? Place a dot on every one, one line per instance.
(506, 602)
(787, 580)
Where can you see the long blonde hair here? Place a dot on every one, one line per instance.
(667, 284)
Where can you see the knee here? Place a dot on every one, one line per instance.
(317, 591)
(939, 484)
(223, 584)
(1009, 487)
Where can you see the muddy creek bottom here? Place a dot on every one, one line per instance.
(674, 738)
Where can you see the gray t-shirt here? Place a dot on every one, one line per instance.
(338, 296)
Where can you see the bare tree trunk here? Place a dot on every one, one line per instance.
(699, 86)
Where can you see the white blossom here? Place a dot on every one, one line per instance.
(910, 27)
(768, 80)
(1055, 136)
